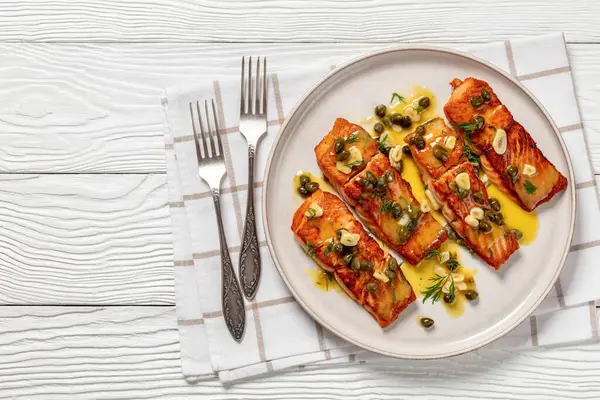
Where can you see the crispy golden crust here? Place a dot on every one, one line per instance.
(436, 132)
(326, 156)
(494, 247)
(428, 233)
(521, 148)
(385, 303)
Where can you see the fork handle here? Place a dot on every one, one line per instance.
(249, 254)
(232, 302)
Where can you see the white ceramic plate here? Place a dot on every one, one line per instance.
(507, 297)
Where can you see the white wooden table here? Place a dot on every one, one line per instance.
(86, 284)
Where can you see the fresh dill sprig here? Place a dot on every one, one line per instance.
(435, 291)
(473, 157)
(329, 248)
(312, 213)
(386, 205)
(352, 138)
(310, 249)
(529, 187)
(432, 253)
(396, 96)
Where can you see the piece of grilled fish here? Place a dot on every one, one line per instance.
(367, 285)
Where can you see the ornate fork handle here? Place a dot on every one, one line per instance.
(249, 254)
(232, 301)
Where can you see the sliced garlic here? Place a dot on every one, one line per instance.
(446, 287)
(484, 179)
(432, 201)
(404, 220)
(314, 211)
(343, 167)
(444, 257)
(349, 239)
(450, 142)
(381, 277)
(477, 212)
(396, 128)
(461, 286)
(529, 170)
(462, 181)
(499, 142)
(412, 113)
(458, 277)
(439, 270)
(355, 155)
(472, 221)
(428, 136)
(396, 157)
(425, 207)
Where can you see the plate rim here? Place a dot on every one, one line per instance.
(436, 49)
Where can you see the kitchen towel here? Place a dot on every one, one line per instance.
(279, 335)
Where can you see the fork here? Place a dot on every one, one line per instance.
(253, 125)
(211, 168)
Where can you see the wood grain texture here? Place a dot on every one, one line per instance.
(299, 21)
(85, 239)
(95, 108)
(133, 353)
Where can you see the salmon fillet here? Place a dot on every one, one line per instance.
(319, 236)
(354, 136)
(436, 133)
(528, 189)
(420, 232)
(494, 247)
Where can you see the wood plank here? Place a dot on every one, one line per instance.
(133, 353)
(95, 108)
(85, 239)
(299, 21)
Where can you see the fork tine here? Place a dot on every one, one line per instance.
(210, 130)
(250, 87)
(243, 89)
(198, 152)
(264, 88)
(218, 131)
(206, 154)
(257, 89)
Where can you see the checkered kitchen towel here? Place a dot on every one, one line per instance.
(279, 335)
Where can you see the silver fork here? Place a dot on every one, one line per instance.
(211, 168)
(253, 125)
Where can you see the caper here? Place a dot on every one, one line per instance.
(426, 322)
(355, 264)
(489, 214)
(449, 298)
(402, 234)
(478, 197)
(370, 177)
(381, 183)
(424, 102)
(386, 121)
(372, 286)
(390, 274)
(338, 145)
(406, 150)
(495, 204)
(485, 95)
(462, 193)
(420, 130)
(476, 101)
(365, 265)
(396, 211)
(389, 176)
(380, 110)
(412, 224)
(420, 142)
(406, 121)
(312, 187)
(350, 249)
(338, 247)
(338, 233)
(440, 153)
(368, 186)
(485, 226)
(343, 155)
(411, 210)
(347, 259)
(498, 218)
(392, 264)
(479, 122)
(471, 295)
(304, 179)
(512, 171)
(302, 190)
(518, 234)
(378, 128)
(396, 119)
(461, 242)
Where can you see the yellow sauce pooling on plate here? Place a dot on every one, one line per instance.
(515, 217)
(323, 280)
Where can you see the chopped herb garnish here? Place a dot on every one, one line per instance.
(432, 253)
(310, 249)
(419, 109)
(329, 248)
(473, 157)
(529, 187)
(435, 291)
(383, 143)
(491, 252)
(397, 96)
(352, 138)
(386, 205)
(312, 213)
(468, 128)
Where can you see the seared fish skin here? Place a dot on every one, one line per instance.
(495, 246)
(318, 236)
(375, 211)
(535, 180)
